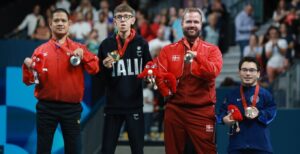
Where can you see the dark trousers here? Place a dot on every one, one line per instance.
(249, 151)
(242, 45)
(134, 125)
(148, 122)
(49, 115)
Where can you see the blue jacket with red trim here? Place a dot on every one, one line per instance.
(254, 134)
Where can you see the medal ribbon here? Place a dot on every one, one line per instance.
(121, 50)
(254, 98)
(195, 45)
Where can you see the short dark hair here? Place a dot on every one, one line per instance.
(124, 8)
(60, 10)
(249, 59)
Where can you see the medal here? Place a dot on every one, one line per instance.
(115, 55)
(188, 57)
(250, 111)
(75, 60)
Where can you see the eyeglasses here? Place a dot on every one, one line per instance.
(125, 17)
(250, 70)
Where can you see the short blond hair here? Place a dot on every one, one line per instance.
(193, 9)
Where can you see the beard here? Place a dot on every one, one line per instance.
(189, 35)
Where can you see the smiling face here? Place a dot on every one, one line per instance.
(191, 24)
(249, 73)
(59, 24)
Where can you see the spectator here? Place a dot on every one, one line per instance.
(280, 13)
(176, 26)
(148, 109)
(163, 22)
(290, 39)
(64, 4)
(244, 26)
(102, 26)
(48, 12)
(89, 18)
(85, 6)
(144, 28)
(80, 29)
(30, 21)
(104, 7)
(156, 44)
(253, 49)
(211, 32)
(291, 16)
(275, 51)
(92, 42)
(42, 31)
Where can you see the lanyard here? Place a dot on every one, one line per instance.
(195, 45)
(254, 98)
(121, 50)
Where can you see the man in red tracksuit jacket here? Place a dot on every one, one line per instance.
(59, 84)
(190, 112)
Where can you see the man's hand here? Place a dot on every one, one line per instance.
(228, 120)
(28, 62)
(108, 61)
(78, 52)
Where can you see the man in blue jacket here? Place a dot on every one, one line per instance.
(258, 108)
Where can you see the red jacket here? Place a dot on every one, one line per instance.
(59, 80)
(195, 81)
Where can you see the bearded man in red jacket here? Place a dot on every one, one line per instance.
(190, 111)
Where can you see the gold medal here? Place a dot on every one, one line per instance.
(115, 55)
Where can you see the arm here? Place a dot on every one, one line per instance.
(268, 112)
(208, 67)
(90, 61)
(146, 54)
(223, 117)
(23, 24)
(28, 77)
(162, 63)
(283, 46)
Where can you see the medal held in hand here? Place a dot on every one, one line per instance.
(115, 55)
(75, 60)
(188, 57)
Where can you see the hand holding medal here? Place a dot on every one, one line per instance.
(115, 55)
(189, 56)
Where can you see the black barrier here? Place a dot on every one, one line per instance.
(1, 149)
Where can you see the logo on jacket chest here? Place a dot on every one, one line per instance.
(139, 51)
(127, 67)
(175, 57)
